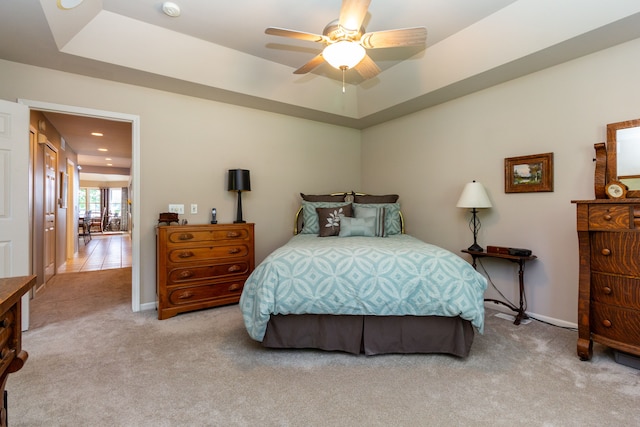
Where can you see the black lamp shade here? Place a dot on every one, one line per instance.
(239, 180)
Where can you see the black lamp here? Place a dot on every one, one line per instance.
(239, 181)
(474, 196)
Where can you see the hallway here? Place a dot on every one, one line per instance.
(103, 278)
(102, 252)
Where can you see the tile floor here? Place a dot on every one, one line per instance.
(102, 252)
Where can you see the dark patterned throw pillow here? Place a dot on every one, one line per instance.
(329, 219)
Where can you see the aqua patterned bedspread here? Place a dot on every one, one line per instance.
(391, 276)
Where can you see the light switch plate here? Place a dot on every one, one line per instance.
(179, 209)
(194, 208)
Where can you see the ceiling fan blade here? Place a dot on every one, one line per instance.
(309, 66)
(367, 68)
(394, 38)
(300, 35)
(352, 14)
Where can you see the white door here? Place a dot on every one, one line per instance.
(14, 195)
(50, 173)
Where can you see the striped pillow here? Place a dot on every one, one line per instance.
(377, 213)
(392, 223)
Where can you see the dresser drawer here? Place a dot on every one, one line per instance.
(228, 291)
(609, 217)
(620, 324)
(206, 253)
(182, 236)
(208, 272)
(202, 265)
(7, 350)
(616, 290)
(616, 252)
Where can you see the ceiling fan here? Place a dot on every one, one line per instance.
(346, 41)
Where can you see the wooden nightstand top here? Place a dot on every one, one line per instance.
(497, 255)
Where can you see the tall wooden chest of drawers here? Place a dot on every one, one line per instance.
(12, 356)
(202, 266)
(609, 288)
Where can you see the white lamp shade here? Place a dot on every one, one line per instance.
(68, 4)
(343, 54)
(474, 196)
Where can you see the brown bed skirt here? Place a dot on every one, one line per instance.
(371, 334)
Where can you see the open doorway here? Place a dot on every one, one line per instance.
(133, 123)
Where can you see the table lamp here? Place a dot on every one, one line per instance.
(474, 197)
(239, 181)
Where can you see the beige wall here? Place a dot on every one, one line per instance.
(188, 144)
(429, 156)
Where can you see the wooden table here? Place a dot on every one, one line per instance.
(12, 357)
(520, 260)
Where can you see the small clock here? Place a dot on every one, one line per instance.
(616, 190)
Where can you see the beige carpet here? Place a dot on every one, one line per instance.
(107, 366)
(72, 296)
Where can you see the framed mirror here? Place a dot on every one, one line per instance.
(623, 155)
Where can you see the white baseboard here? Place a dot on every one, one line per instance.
(512, 318)
(148, 306)
(552, 320)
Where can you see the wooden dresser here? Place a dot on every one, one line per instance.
(12, 357)
(609, 281)
(202, 266)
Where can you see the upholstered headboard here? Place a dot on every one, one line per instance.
(345, 197)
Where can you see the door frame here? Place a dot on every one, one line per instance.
(135, 177)
(49, 241)
(72, 231)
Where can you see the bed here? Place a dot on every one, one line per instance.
(351, 280)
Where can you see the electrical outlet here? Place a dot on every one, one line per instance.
(179, 209)
(194, 208)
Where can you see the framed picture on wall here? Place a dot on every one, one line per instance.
(528, 174)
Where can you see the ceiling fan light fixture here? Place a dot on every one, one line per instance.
(344, 54)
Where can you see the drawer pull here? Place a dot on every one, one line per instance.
(606, 323)
(185, 254)
(607, 217)
(235, 287)
(233, 234)
(605, 252)
(234, 250)
(234, 268)
(606, 290)
(186, 236)
(185, 295)
(186, 274)
(4, 323)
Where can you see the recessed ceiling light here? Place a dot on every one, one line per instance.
(97, 134)
(102, 149)
(108, 159)
(68, 4)
(171, 9)
(109, 164)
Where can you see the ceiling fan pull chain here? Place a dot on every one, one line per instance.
(344, 69)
